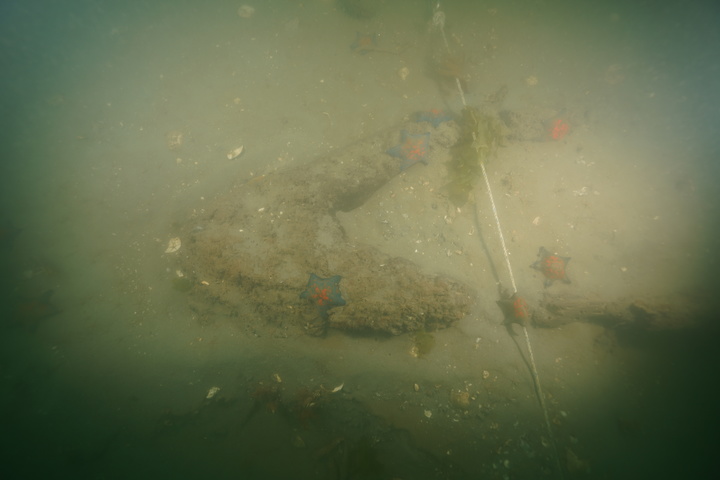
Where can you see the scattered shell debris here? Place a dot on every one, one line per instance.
(211, 393)
(486, 374)
(174, 140)
(585, 191)
(460, 398)
(403, 73)
(174, 245)
(277, 377)
(246, 11)
(581, 192)
(427, 413)
(235, 152)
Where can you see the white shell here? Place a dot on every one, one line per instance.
(235, 152)
(211, 393)
(173, 245)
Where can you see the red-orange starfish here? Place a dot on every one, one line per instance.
(559, 129)
(324, 293)
(412, 149)
(552, 266)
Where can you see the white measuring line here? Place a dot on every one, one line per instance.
(439, 22)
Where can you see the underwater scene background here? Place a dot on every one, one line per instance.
(256, 240)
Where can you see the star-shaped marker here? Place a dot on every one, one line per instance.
(324, 293)
(434, 117)
(552, 266)
(412, 149)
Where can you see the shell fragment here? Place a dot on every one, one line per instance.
(235, 153)
(211, 393)
(173, 245)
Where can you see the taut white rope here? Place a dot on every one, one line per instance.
(439, 22)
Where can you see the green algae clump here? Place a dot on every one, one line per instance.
(480, 136)
(423, 343)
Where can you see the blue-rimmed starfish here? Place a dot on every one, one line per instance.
(324, 293)
(412, 149)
